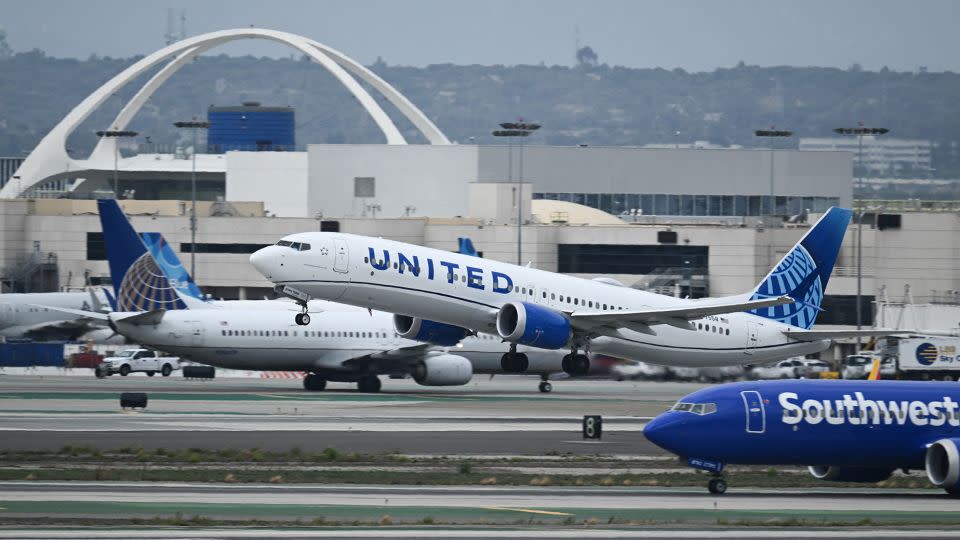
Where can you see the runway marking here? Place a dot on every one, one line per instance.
(527, 511)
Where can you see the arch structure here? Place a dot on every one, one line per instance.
(50, 159)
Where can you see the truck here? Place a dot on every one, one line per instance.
(138, 360)
(923, 358)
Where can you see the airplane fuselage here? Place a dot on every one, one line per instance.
(270, 340)
(468, 292)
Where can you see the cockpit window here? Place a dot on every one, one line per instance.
(304, 247)
(284, 243)
(700, 409)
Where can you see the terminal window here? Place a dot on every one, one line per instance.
(842, 309)
(633, 259)
(95, 247)
(694, 205)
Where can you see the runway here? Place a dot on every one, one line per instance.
(468, 504)
(503, 415)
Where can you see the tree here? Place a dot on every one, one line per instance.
(586, 56)
(5, 50)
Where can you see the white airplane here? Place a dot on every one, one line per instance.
(157, 305)
(526, 306)
(30, 315)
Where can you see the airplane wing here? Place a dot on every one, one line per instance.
(81, 312)
(672, 316)
(392, 360)
(817, 335)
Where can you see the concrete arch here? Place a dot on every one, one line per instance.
(50, 157)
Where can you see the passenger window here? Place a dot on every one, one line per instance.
(575, 301)
(366, 260)
(728, 331)
(553, 296)
(590, 304)
(604, 307)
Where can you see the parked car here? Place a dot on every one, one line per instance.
(858, 366)
(811, 368)
(784, 369)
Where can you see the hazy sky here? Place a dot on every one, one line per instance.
(695, 35)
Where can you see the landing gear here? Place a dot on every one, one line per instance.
(314, 382)
(302, 318)
(514, 362)
(575, 364)
(546, 387)
(369, 384)
(717, 485)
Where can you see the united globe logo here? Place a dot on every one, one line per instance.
(145, 288)
(927, 354)
(798, 277)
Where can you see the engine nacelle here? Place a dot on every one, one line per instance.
(943, 465)
(443, 370)
(426, 331)
(533, 325)
(832, 473)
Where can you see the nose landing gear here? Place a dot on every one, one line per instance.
(545, 386)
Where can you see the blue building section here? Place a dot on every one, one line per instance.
(251, 128)
(26, 354)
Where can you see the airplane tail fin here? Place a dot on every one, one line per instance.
(168, 261)
(466, 247)
(138, 282)
(803, 273)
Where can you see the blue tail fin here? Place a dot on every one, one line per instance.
(804, 271)
(138, 282)
(466, 247)
(168, 261)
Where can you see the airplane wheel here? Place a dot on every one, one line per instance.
(314, 383)
(302, 319)
(579, 365)
(546, 387)
(514, 363)
(166, 371)
(717, 486)
(369, 385)
(124, 370)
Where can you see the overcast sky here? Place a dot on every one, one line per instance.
(694, 35)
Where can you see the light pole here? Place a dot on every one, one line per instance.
(860, 131)
(772, 134)
(511, 130)
(193, 126)
(116, 134)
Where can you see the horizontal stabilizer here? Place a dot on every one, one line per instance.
(817, 335)
(672, 315)
(145, 318)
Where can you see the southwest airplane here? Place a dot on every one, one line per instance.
(546, 310)
(845, 431)
(158, 305)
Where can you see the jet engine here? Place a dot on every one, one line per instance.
(426, 331)
(533, 325)
(832, 473)
(443, 370)
(943, 465)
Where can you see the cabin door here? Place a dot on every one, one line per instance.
(753, 408)
(341, 257)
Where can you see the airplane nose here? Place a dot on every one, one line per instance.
(653, 430)
(263, 259)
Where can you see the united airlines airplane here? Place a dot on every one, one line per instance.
(844, 431)
(526, 306)
(156, 304)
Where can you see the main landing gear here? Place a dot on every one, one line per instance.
(302, 318)
(717, 485)
(314, 382)
(576, 364)
(369, 384)
(514, 362)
